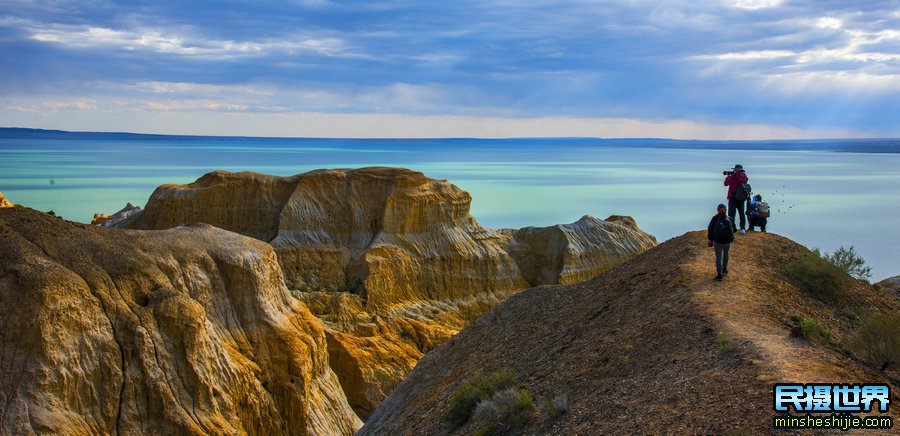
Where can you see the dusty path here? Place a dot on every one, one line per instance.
(750, 304)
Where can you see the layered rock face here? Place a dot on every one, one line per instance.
(106, 220)
(4, 202)
(390, 260)
(184, 331)
(570, 253)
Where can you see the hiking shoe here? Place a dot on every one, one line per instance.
(743, 232)
(725, 272)
(719, 278)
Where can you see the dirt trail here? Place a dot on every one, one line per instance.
(748, 304)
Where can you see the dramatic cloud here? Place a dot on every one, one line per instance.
(780, 68)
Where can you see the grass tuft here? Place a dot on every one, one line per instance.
(478, 388)
(809, 329)
(818, 277)
(506, 410)
(497, 406)
(555, 407)
(878, 340)
(724, 342)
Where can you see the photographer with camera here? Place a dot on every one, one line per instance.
(738, 192)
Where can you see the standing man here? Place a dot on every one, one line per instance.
(720, 234)
(733, 180)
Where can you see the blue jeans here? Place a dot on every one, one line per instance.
(721, 257)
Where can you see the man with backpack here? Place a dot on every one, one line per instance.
(720, 234)
(738, 192)
(757, 213)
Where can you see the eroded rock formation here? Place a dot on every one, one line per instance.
(390, 260)
(891, 285)
(106, 220)
(4, 202)
(99, 218)
(570, 253)
(184, 331)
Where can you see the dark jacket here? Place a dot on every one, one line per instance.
(722, 239)
(752, 209)
(735, 180)
(753, 217)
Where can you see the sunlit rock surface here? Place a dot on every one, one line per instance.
(4, 202)
(389, 259)
(105, 220)
(99, 218)
(183, 331)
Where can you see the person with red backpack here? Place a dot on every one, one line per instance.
(738, 192)
(720, 235)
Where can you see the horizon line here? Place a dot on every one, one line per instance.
(399, 138)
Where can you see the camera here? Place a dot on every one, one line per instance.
(727, 173)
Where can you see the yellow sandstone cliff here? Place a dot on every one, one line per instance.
(4, 202)
(182, 331)
(389, 259)
(99, 218)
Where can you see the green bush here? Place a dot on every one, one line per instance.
(475, 390)
(850, 262)
(817, 276)
(724, 342)
(809, 329)
(504, 411)
(555, 407)
(489, 430)
(878, 340)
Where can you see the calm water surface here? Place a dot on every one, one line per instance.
(818, 198)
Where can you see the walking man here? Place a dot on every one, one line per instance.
(720, 234)
(733, 180)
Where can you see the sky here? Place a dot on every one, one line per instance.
(731, 69)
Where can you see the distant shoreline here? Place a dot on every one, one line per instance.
(869, 145)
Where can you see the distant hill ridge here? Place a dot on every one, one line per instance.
(865, 145)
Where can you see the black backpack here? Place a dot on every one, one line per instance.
(743, 192)
(723, 231)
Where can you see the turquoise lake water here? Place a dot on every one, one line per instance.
(822, 199)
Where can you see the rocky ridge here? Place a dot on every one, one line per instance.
(107, 220)
(389, 260)
(183, 331)
(891, 285)
(653, 346)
